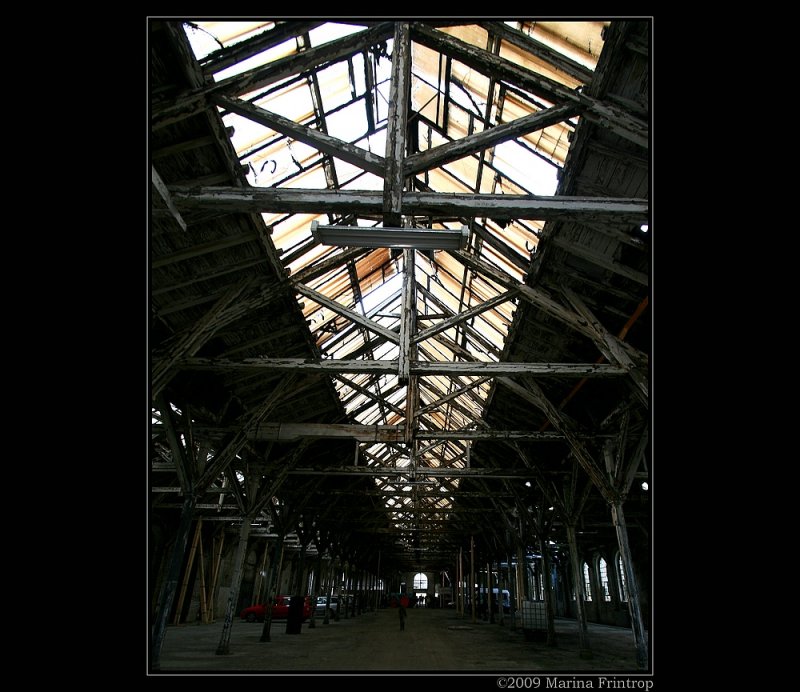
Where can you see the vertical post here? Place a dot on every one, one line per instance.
(346, 573)
(547, 583)
(489, 595)
(407, 314)
(339, 579)
(520, 576)
(501, 584)
(187, 572)
(331, 575)
(170, 583)
(580, 605)
(513, 584)
(203, 599)
(377, 581)
(315, 592)
(215, 576)
(460, 599)
(396, 125)
(236, 582)
(618, 517)
(472, 575)
(260, 575)
(274, 575)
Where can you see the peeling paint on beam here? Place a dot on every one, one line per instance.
(294, 200)
(451, 369)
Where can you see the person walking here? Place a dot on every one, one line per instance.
(402, 612)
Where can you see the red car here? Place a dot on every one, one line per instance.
(280, 610)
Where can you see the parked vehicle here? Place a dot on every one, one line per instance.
(280, 610)
(319, 608)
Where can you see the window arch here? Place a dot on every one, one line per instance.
(420, 582)
(587, 582)
(602, 568)
(623, 586)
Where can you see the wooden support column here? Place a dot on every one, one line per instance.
(396, 126)
(547, 582)
(472, 575)
(274, 577)
(377, 582)
(460, 594)
(187, 572)
(316, 590)
(203, 593)
(329, 590)
(236, 581)
(215, 570)
(490, 598)
(407, 317)
(348, 578)
(637, 625)
(260, 576)
(170, 583)
(580, 604)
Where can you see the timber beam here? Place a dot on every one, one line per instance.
(294, 200)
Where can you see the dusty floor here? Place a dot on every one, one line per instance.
(433, 641)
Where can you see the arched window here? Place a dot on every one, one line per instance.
(603, 569)
(420, 582)
(623, 587)
(587, 582)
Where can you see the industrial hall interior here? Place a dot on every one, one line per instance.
(399, 336)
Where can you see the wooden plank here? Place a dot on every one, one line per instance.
(351, 315)
(314, 138)
(541, 50)
(185, 473)
(451, 151)
(460, 317)
(159, 185)
(600, 260)
(602, 114)
(193, 102)
(473, 334)
(230, 55)
(225, 455)
(313, 271)
(631, 584)
(534, 296)
(194, 337)
(396, 126)
(295, 200)
(203, 248)
(422, 368)
(370, 394)
(421, 472)
(579, 450)
(453, 395)
(610, 346)
(407, 314)
(181, 147)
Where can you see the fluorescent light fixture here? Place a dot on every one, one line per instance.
(417, 238)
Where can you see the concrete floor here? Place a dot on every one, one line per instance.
(433, 641)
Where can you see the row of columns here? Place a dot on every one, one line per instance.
(521, 589)
(327, 578)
